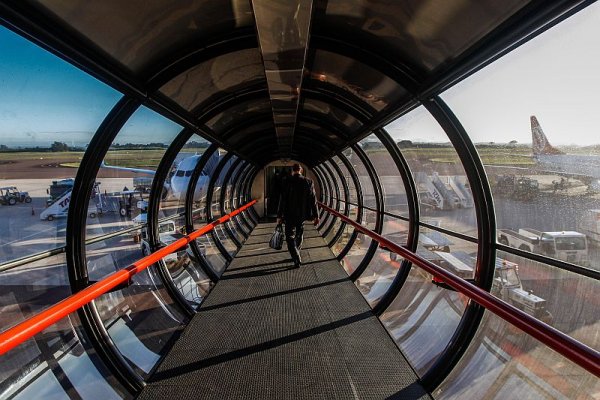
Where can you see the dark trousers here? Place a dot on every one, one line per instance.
(294, 231)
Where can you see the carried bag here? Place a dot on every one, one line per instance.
(276, 241)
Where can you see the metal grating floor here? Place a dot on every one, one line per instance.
(269, 331)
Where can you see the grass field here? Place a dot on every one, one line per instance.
(518, 156)
(122, 158)
(150, 158)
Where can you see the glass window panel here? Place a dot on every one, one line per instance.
(442, 187)
(423, 316)
(385, 265)
(120, 198)
(503, 362)
(541, 151)
(366, 184)
(50, 111)
(212, 254)
(220, 231)
(184, 268)
(173, 201)
(348, 179)
(131, 313)
(362, 243)
(205, 242)
(342, 241)
(395, 199)
(60, 352)
(31, 288)
(334, 230)
(562, 299)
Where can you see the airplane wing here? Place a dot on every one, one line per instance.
(136, 170)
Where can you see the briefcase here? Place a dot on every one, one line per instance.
(276, 241)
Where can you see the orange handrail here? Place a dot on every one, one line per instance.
(579, 353)
(40, 321)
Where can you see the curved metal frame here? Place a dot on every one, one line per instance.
(75, 243)
(247, 187)
(486, 233)
(189, 208)
(325, 195)
(359, 199)
(329, 193)
(227, 184)
(253, 171)
(242, 193)
(413, 221)
(379, 204)
(346, 201)
(208, 206)
(328, 171)
(240, 220)
(162, 171)
(237, 197)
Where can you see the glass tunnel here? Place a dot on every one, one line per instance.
(455, 153)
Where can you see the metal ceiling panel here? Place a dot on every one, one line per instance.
(225, 73)
(283, 29)
(140, 33)
(356, 78)
(423, 33)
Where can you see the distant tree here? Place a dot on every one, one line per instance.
(403, 144)
(59, 146)
(513, 142)
(3, 147)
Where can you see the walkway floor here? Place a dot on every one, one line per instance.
(270, 331)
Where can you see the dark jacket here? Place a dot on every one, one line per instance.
(298, 201)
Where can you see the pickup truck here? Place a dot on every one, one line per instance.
(568, 246)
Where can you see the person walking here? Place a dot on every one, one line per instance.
(297, 203)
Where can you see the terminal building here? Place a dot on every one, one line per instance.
(455, 153)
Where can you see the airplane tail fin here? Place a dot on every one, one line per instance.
(539, 142)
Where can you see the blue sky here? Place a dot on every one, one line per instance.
(43, 99)
(555, 76)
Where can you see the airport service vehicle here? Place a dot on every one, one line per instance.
(521, 188)
(568, 246)
(60, 209)
(142, 183)
(447, 194)
(58, 189)
(506, 284)
(10, 195)
(590, 226)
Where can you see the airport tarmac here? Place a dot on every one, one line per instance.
(22, 233)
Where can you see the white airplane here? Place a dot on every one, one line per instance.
(585, 168)
(178, 183)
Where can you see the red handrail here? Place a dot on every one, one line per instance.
(572, 349)
(40, 321)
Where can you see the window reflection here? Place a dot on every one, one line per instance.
(540, 151)
(391, 182)
(503, 362)
(385, 265)
(50, 111)
(443, 190)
